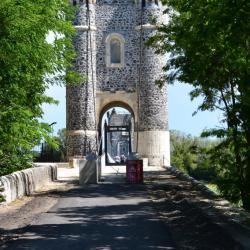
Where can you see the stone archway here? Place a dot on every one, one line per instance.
(125, 120)
(128, 83)
(106, 100)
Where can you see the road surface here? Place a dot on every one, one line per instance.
(103, 217)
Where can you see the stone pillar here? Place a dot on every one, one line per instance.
(153, 116)
(81, 124)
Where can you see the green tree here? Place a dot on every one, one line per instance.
(1, 197)
(222, 158)
(192, 155)
(61, 138)
(208, 43)
(183, 151)
(27, 64)
(54, 153)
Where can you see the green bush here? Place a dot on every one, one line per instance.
(190, 154)
(213, 162)
(1, 197)
(228, 182)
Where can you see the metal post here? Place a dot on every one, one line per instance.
(106, 142)
(129, 134)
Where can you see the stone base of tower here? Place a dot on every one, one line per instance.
(155, 145)
(80, 143)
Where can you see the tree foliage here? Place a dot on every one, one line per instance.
(50, 153)
(27, 62)
(192, 155)
(205, 160)
(222, 159)
(61, 138)
(208, 43)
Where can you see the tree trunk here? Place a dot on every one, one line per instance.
(245, 196)
(246, 192)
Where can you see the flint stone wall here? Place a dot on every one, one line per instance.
(109, 18)
(26, 182)
(122, 17)
(80, 145)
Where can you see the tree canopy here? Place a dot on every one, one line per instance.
(208, 44)
(27, 63)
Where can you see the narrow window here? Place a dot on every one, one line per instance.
(115, 51)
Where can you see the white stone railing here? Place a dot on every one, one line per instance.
(26, 182)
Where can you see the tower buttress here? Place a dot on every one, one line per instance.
(153, 115)
(81, 123)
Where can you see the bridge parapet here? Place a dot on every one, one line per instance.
(26, 182)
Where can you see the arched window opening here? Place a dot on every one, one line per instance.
(115, 50)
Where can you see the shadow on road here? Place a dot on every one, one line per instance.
(97, 217)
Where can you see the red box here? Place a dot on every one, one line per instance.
(134, 171)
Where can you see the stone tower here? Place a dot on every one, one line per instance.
(120, 71)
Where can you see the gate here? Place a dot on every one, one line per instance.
(117, 144)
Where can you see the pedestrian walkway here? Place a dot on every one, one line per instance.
(109, 174)
(103, 217)
(113, 174)
(117, 174)
(114, 215)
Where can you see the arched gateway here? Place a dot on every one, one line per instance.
(120, 71)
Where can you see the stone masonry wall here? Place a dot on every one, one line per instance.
(26, 182)
(80, 145)
(119, 17)
(122, 17)
(153, 100)
(81, 98)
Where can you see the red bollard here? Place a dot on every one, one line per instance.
(134, 171)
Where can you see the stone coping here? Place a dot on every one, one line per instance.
(26, 182)
(235, 220)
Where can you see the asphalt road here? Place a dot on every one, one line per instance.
(103, 217)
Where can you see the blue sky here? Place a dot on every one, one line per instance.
(180, 111)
